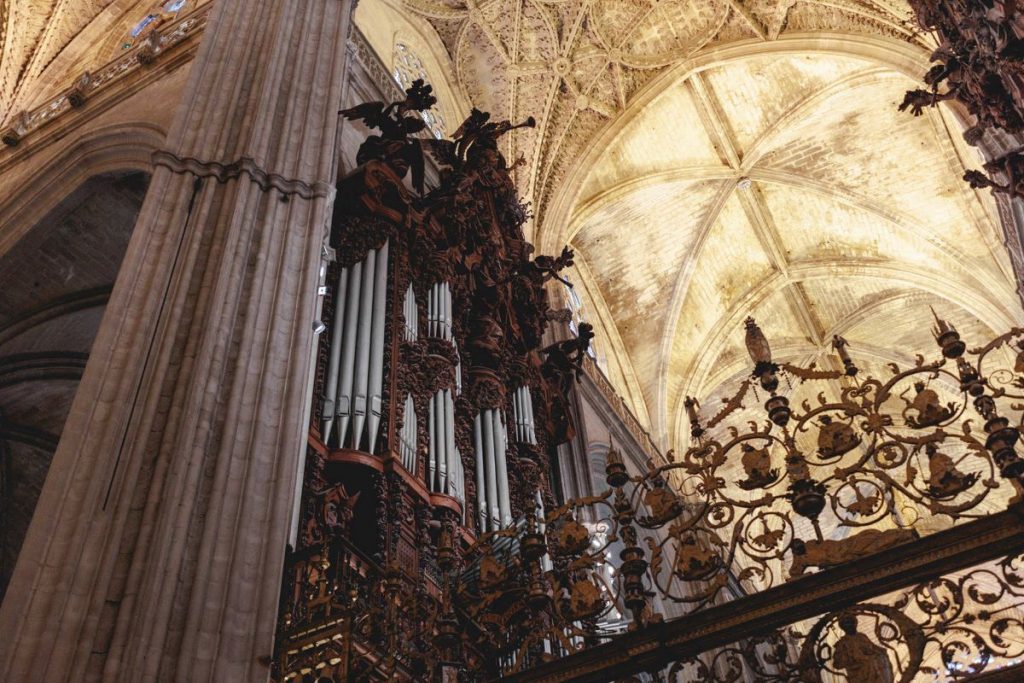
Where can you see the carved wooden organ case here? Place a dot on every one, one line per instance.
(435, 415)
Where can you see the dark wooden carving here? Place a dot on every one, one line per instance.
(980, 64)
(366, 510)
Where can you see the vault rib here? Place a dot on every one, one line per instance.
(595, 297)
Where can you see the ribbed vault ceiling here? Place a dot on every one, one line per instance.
(717, 159)
(576, 65)
(789, 188)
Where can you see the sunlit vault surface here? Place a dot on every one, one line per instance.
(787, 187)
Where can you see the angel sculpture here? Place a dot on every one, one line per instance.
(564, 359)
(544, 268)
(1010, 165)
(564, 364)
(472, 154)
(396, 122)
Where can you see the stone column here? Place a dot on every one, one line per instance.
(157, 548)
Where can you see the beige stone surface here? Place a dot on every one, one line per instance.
(854, 222)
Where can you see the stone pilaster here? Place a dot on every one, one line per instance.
(157, 547)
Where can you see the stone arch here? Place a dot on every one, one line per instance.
(57, 278)
(121, 148)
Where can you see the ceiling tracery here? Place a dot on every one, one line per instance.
(46, 44)
(717, 159)
(577, 65)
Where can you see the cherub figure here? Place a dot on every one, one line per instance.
(944, 479)
(757, 463)
(928, 407)
(835, 438)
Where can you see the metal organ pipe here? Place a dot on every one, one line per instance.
(380, 289)
(331, 389)
(355, 371)
(431, 308)
(493, 513)
(451, 454)
(500, 446)
(522, 407)
(442, 443)
(348, 350)
(359, 402)
(431, 443)
(411, 314)
(408, 436)
(481, 481)
(439, 311)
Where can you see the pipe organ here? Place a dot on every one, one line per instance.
(437, 410)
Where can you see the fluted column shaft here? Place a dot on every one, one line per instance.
(158, 548)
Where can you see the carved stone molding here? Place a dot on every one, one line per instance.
(244, 166)
(106, 76)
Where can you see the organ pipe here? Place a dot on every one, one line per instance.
(439, 311)
(445, 471)
(522, 409)
(348, 350)
(407, 439)
(491, 443)
(411, 314)
(331, 390)
(380, 289)
(481, 481)
(500, 447)
(355, 372)
(361, 375)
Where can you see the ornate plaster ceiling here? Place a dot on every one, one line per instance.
(46, 44)
(576, 65)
